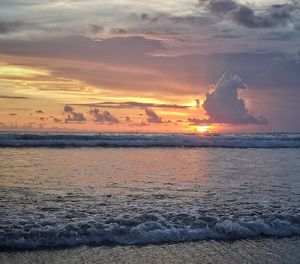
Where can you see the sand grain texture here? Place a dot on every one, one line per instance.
(244, 251)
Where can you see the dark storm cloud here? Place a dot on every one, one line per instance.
(152, 117)
(223, 105)
(105, 117)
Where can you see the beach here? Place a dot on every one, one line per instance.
(268, 250)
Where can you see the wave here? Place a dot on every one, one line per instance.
(63, 140)
(144, 229)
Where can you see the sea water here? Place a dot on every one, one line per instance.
(61, 189)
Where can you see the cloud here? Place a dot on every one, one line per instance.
(147, 17)
(68, 109)
(11, 26)
(274, 17)
(103, 117)
(282, 36)
(13, 97)
(193, 20)
(57, 120)
(118, 31)
(152, 116)
(132, 104)
(141, 124)
(73, 116)
(95, 29)
(177, 75)
(244, 15)
(223, 105)
(221, 6)
(197, 103)
(181, 25)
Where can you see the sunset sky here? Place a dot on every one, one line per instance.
(157, 66)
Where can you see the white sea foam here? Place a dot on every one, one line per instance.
(279, 140)
(154, 229)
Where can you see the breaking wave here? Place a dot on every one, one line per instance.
(63, 140)
(143, 229)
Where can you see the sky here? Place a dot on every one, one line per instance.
(150, 66)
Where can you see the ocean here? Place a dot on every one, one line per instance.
(60, 189)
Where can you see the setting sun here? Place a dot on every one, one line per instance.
(202, 129)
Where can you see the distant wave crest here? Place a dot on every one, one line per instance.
(64, 140)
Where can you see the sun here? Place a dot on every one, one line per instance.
(202, 129)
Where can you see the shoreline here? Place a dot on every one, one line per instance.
(264, 250)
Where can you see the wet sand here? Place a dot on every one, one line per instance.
(285, 250)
